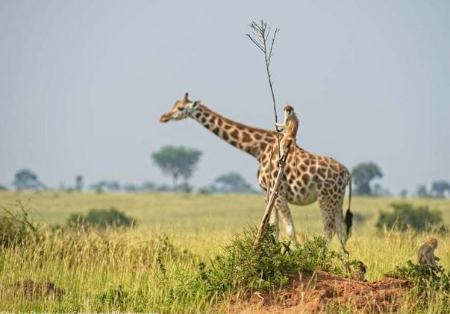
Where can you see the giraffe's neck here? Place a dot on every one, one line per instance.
(248, 139)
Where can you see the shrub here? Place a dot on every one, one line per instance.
(115, 297)
(241, 266)
(406, 216)
(101, 219)
(426, 279)
(16, 228)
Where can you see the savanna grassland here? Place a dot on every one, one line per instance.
(150, 268)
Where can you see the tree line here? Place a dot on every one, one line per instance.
(179, 163)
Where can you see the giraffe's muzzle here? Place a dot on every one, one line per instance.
(165, 118)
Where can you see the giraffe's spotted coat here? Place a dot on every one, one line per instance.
(308, 177)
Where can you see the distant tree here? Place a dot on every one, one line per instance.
(130, 187)
(103, 185)
(184, 187)
(403, 193)
(232, 183)
(149, 186)
(3, 188)
(379, 191)
(98, 187)
(163, 188)
(27, 180)
(177, 162)
(112, 186)
(363, 174)
(79, 183)
(422, 191)
(439, 187)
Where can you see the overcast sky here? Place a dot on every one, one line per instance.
(83, 83)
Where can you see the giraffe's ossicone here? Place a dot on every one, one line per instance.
(308, 177)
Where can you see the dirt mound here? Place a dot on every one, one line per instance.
(32, 289)
(322, 291)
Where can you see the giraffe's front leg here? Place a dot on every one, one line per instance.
(282, 206)
(273, 221)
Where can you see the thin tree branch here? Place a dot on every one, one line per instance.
(261, 35)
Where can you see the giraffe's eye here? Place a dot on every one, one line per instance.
(180, 108)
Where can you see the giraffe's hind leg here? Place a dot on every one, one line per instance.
(282, 207)
(341, 228)
(331, 209)
(328, 218)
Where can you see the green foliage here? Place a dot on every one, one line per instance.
(79, 183)
(25, 179)
(16, 228)
(359, 218)
(440, 187)
(177, 161)
(363, 174)
(426, 279)
(231, 183)
(422, 191)
(242, 267)
(102, 219)
(117, 298)
(406, 216)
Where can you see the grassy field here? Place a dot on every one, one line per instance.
(95, 266)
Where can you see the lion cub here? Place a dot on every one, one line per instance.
(289, 128)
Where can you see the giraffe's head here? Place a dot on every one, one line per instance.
(182, 109)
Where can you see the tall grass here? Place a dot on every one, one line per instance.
(152, 268)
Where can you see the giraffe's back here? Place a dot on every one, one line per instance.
(307, 175)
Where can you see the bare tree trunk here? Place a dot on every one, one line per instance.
(273, 196)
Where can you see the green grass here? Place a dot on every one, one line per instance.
(139, 270)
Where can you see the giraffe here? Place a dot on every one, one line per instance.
(308, 177)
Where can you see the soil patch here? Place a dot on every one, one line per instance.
(32, 289)
(322, 291)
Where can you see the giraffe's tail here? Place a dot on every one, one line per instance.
(348, 214)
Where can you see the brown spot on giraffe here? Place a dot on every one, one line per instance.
(305, 179)
(246, 137)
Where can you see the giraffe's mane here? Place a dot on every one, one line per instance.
(237, 124)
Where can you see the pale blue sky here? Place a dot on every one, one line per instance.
(83, 83)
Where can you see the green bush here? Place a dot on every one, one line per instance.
(406, 216)
(426, 279)
(271, 266)
(16, 228)
(117, 298)
(101, 219)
